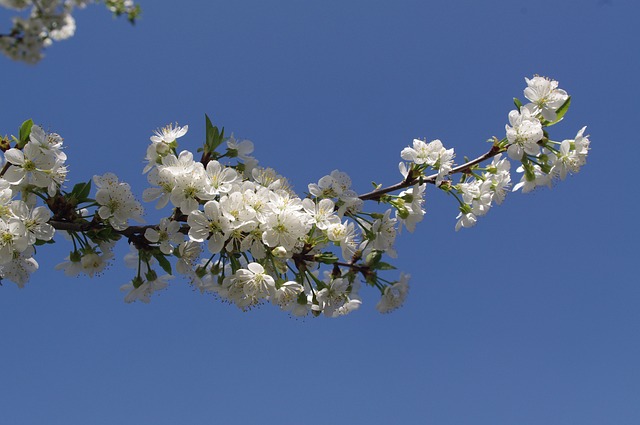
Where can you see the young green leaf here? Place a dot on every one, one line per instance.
(162, 260)
(517, 102)
(80, 191)
(384, 266)
(214, 136)
(210, 133)
(25, 132)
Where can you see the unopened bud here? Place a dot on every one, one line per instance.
(279, 252)
(201, 271)
(137, 281)
(4, 144)
(162, 149)
(403, 213)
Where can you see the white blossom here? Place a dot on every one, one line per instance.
(524, 134)
(117, 203)
(145, 289)
(394, 295)
(545, 95)
(167, 236)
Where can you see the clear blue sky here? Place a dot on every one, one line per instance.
(531, 317)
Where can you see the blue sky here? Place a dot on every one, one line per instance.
(531, 317)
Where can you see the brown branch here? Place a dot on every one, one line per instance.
(410, 181)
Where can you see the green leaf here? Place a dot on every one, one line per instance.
(212, 133)
(162, 260)
(326, 258)
(214, 136)
(85, 190)
(103, 235)
(517, 102)
(40, 242)
(561, 111)
(25, 131)
(209, 131)
(384, 266)
(81, 191)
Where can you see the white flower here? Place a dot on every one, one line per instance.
(220, 178)
(478, 194)
(498, 173)
(420, 153)
(13, 237)
(64, 30)
(211, 225)
(284, 229)
(242, 149)
(331, 186)
(524, 134)
(234, 208)
(433, 154)
(255, 282)
(95, 263)
(145, 289)
(117, 204)
(349, 203)
(335, 299)
(166, 185)
(72, 266)
(35, 221)
(322, 213)
(571, 156)
(190, 188)
(530, 181)
(394, 295)
(30, 165)
(466, 220)
(413, 212)
(383, 233)
(189, 252)
(287, 294)
(48, 143)
(268, 178)
(167, 236)
(545, 95)
(169, 134)
(20, 268)
(344, 235)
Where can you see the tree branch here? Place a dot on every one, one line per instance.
(410, 181)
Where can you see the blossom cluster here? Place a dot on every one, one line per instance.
(238, 231)
(49, 21)
(262, 242)
(541, 159)
(35, 168)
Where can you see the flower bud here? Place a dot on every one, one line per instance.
(279, 252)
(137, 281)
(4, 144)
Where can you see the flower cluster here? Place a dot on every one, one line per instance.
(35, 168)
(256, 230)
(238, 230)
(49, 21)
(526, 141)
(542, 158)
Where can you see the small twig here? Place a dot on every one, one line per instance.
(408, 182)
